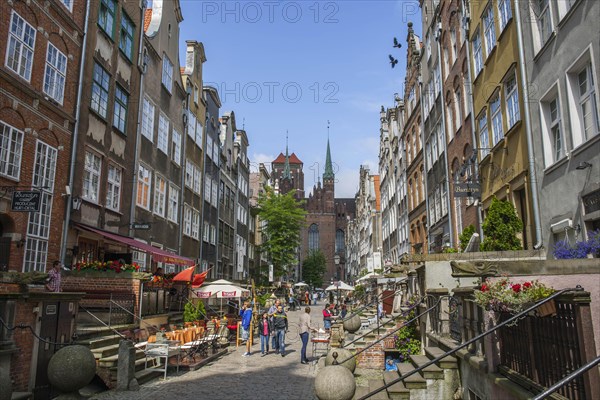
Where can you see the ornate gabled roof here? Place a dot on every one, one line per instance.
(293, 159)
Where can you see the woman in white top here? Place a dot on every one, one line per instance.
(304, 328)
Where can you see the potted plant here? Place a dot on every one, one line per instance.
(505, 296)
(193, 312)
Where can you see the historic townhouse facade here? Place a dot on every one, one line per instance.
(209, 222)
(392, 171)
(226, 195)
(498, 110)
(41, 54)
(242, 206)
(257, 261)
(193, 152)
(158, 191)
(561, 43)
(437, 199)
(456, 86)
(412, 139)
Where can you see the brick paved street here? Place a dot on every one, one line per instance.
(233, 377)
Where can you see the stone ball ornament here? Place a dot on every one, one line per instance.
(352, 324)
(334, 382)
(344, 357)
(71, 368)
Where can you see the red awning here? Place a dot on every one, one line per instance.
(157, 254)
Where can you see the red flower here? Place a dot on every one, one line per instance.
(516, 288)
(526, 285)
(484, 288)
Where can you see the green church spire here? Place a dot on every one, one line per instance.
(286, 168)
(328, 174)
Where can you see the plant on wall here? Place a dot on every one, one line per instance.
(581, 249)
(193, 312)
(500, 227)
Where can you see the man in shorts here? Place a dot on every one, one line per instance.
(246, 314)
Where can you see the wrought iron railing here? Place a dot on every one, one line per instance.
(567, 379)
(510, 320)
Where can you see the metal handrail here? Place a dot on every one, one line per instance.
(102, 322)
(379, 325)
(567, 379)
(133, 315)
(470, 341)
(391, 333)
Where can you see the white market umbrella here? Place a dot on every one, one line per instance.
(300, 284)
(367, 276)
(221, 289)
(340, 286)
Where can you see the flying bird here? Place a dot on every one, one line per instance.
(393, 61)
(396, 44)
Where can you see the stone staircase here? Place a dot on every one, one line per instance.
(105, 347)
(436, 381)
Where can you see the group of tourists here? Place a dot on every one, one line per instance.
(272, 327)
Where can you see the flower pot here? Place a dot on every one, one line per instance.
(547, 309)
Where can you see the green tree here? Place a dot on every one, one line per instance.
(313, 268)
(465, 236)
(283, 217)
(500, 227)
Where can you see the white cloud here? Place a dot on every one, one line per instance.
(258, 158)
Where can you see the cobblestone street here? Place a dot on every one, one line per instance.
(233, 377)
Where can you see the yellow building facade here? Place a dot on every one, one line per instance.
(498, 110)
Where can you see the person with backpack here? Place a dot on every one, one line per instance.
(280, 326)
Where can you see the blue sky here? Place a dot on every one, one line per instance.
(295, 65)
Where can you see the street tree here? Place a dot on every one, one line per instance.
(313, 268)
(500, 227)
(283, 217)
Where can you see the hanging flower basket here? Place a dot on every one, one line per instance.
(505, 296)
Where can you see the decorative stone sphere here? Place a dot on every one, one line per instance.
(335, 382)
(352, 324)
(344, 357)
(71, 368)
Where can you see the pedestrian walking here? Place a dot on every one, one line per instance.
(305, 327)
(272, 310)
(53, 282)
(264, 330)
(307, 298)
(327, 317)
(246, 314)
(280, 325)
(315, 298)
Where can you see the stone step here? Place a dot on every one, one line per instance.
(449, 362)
(397, 391)
(106, 351)
(360, 392)
(430, 372)
(100, 341)
(146, 375)
(375, 384)
(111, 361)
(415, 381)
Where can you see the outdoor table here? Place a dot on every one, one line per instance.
(200, 346)
(181, 335)
(163, 351)
(320, 343)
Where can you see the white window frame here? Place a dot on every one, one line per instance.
(189, 174)
(173, 204)
(100, 89)
(197, 188)
(511, 98)
(92, 171)
(39, 223)
(206, 232)
(144, 183)
(504, 12)
(68, 4)
(207, 188)
(167, 73)
(477, 52)
(483, 133)
(113, 187)
(187, 220)
(120, 109)
(160, 196)
(489, 30)
(195, 224)
(176, 146)
(496, 115)
(587, 98)
(11, 151)
(543, 15)
(148, 119)
(20, 47)
(191, 126)
(199, 131)
(55, 73)
(162, 139)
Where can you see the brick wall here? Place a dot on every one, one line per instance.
(120, 284)
(372, 358)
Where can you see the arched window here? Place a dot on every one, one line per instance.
(340, 246)
(313, 237)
